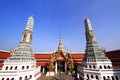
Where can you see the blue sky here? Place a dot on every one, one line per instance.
(53, 17)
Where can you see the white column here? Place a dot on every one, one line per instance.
(78, 75)
(43, 70)
(56, 68)
(65, 67)
(85, 77)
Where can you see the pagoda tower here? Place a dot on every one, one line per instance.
(60, 60)
(64, 61)
(22, 64)
(93, 52)
(60, 53)
(95, 65)
(60, 57)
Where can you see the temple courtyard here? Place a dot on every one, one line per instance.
(57, 77)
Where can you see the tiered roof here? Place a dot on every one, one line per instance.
(42, 59)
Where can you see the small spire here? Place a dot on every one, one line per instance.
(60, 47)
(103, 50)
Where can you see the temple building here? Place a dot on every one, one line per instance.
(95, 65)
(43, 59)
(60, 61)
(21, 65)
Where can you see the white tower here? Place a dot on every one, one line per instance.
(22, 64)
(95, 66)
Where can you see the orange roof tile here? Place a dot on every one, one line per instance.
(42, 56)
(42, 60)
(41, 64)
(4, 55)
(77, 56)
(77, 60)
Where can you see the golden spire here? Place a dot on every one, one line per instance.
(60, 47)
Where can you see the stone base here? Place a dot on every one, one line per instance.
(50, 74)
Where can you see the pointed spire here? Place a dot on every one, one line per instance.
(93, 52)
(90, 36)
(30, 23)
(88, 24)
(60, 47)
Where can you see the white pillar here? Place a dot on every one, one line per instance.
(56, 68)
(43, 70)
(85, 77)
(65, 67)
(78, 75)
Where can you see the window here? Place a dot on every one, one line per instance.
(22, 67)
(87, 76)
(100, 67)
(96, 77)
(108, 77)
(91, 76)
(2, 78)
(116, 77)
(27, 67)
(30, 76)
(104, 67)
(12, 79)
(15, 67)
(109, 67)
(89, 66)
(112, 78)
(94, 66)
(20, 78)
(6, 68)
(11, 68)
(26, 78)
(104, 78)
(7, 79)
